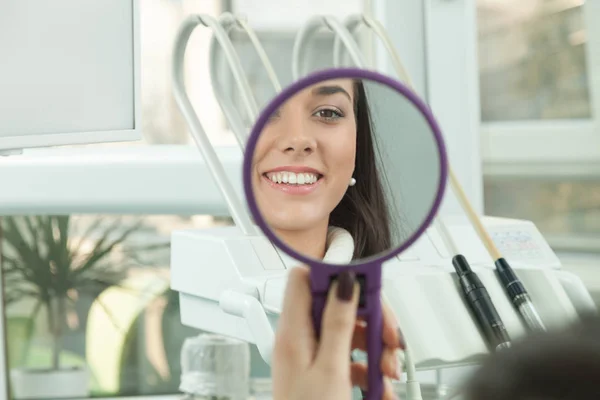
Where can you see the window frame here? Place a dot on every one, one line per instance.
(10, 145)
(535, 145)
(154, 179)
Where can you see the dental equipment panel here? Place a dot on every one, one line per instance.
(209, 266)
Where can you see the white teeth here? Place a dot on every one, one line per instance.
(293, 178)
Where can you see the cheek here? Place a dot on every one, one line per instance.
(340, 159)
(343, 151)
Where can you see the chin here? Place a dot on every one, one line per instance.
(292, 222)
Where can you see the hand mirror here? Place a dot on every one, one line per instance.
(346, 168)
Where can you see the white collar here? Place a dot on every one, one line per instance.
(339, 245)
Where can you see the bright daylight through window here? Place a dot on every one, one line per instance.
(535, 67)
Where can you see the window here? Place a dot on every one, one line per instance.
(162, 122)
(567, 210)
(540, 110)
(533, 61)
(120, 319)
(539, 80)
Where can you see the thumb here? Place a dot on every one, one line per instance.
(339, 320)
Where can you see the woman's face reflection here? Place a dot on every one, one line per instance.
(305, 156)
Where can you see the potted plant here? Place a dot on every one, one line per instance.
(42, 262)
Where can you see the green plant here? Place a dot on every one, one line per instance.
(42, 261)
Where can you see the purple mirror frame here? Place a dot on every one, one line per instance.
(343, 73)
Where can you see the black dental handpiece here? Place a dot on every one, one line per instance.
(481, 304)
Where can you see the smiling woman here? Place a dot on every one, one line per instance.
(314, 147)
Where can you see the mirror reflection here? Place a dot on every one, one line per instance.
(345, 170)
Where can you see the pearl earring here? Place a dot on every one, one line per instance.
(352, 182)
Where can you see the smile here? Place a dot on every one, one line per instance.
(293, 178)
(299, 182)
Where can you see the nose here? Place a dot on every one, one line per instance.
(295, 138)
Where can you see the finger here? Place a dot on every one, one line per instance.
(295, 337)
(359, 338)
(392, 337)
(388, 390)
(389, 363)
(337, 326)
(359, 376)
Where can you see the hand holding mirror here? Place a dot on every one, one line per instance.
(345, 169)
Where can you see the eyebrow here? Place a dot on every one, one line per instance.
(330, 90)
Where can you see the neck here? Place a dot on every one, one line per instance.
(309, 242)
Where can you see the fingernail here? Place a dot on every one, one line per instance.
(345, 287)
(401, 341)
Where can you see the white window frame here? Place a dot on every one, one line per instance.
(15, 144)
(551, 148)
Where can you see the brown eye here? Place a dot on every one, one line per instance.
(329, 114)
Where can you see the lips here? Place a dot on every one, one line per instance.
(291, 178)
(294, 176)
(294, 180)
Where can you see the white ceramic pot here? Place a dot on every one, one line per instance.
(63, 383)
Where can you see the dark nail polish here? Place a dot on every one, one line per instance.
(402, 343)
(345, 287)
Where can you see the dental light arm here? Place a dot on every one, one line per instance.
(236, 207)
(242, 25)
(230, 22)
(220, 36)
(309, 29)
(352, 23)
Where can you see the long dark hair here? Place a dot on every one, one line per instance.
(364, 211)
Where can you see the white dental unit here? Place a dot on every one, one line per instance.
(233, 285)
(231, 280)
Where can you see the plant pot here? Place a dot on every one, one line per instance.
(62, 383)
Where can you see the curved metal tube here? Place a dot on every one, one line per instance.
(220, 36)
(243, 26)
(238, 212)
(353, 22)
(228, 22)
(310, 28)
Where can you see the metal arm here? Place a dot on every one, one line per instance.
(352, 23)
(228, 22)
(237, 209)
(221, 38)
(310, 28)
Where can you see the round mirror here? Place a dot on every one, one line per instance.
(345, 166)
